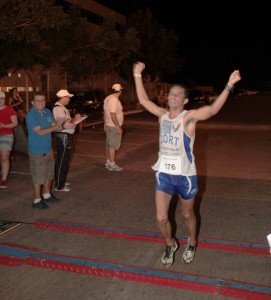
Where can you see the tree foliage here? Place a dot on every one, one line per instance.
(159, 47)
(25, 28)
(24, 20)
(39, 33)
(104, 54)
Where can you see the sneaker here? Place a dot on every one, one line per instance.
(189, 253)
(107, 166)
(168, 255)
(67, 184)
(114, 168)
(64, 189)
(52, 198)
(3, 184)
(41, 205)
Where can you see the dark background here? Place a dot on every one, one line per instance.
(215, 37)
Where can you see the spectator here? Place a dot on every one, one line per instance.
(64, 140)
(16, 101)
(113, 120)
(8, 121)
(40, 124)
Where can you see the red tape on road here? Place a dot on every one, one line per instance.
(16, 255)
(147, 236)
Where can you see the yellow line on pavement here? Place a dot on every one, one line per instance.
(11, 228)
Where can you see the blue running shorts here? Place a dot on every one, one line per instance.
(184, 186)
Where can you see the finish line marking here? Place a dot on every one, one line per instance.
(147, 236)
(16, 255)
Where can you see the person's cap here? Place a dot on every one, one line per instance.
(117, 87)
(64, 93)
(2, 95)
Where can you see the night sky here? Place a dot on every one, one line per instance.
(216, 37)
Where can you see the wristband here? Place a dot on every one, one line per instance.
(228, 88)
(137, 75)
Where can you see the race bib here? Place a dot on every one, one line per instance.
(170, 164)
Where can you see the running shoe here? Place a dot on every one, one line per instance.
(167, 258)
(114, 167)
(40, 205)
(64, 189)
(52, 198)
(3, 184)
(188, 253)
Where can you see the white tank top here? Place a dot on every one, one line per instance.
(175, 148)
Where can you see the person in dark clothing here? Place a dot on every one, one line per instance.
(64, 137)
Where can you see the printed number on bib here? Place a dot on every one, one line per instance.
(170, 164)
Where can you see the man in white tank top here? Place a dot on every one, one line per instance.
(175, 169)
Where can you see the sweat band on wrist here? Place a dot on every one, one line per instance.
(228, 88)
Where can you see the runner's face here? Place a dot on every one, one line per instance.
(176, 97)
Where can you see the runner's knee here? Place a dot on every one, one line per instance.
(161, 220)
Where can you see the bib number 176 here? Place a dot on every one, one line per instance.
(170, 167)
(170, 164)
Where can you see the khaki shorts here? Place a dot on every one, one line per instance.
(42, 167)
(113, 139)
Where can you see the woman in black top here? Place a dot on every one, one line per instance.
(16, 102)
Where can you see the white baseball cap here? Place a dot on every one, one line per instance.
(64, 93)
(117, 87)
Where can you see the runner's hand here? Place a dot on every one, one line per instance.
(138, 68)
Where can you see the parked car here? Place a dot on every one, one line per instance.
(238, 93)
(197, 98)
(86, 102)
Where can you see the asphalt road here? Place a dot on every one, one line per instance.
(102, 242)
